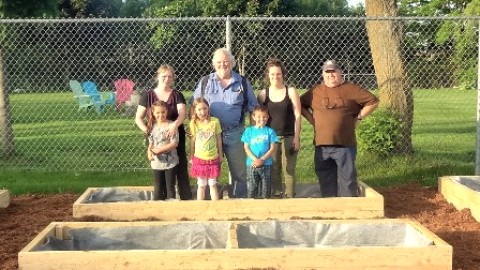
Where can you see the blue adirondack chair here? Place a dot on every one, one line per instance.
(91, 89)
(84, 100)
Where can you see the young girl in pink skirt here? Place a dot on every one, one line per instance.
(206, 152)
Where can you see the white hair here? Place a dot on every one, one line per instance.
(226, 52)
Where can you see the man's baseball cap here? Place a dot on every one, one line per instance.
(330, 65)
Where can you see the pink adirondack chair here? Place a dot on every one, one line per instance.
(123, 91)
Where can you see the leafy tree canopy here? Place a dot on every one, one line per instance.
(28, 8)
(173, 8)
(133, 8)
(432, 7)
(194, 8)
(90, 8)
(318, 8)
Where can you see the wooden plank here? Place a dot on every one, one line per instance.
(41, 238)
(436, 258)
(460, 195)
(433, 257)
(424, 231)
(232, 242)
(4, 198)
(369, 206)
(367, 191)
(235, 209)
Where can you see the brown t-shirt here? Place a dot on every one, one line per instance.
(335, 111)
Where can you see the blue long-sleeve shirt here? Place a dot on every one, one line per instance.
(226, 103)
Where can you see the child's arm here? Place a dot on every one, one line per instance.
(297, 111)
(192, 147)
(172, 144)
(182, 115)
(149, 152)
(269, 152)
(192, 130)
(273, 144)
(256, 162)
(165, 148)
(267, 155)
(218, 138)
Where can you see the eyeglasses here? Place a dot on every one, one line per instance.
(166, 77)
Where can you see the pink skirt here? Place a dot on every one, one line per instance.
(205, 168)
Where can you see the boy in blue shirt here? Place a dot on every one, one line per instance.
(259, 143)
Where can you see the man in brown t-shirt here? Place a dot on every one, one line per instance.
(335, 108)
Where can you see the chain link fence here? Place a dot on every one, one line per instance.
(41, 57)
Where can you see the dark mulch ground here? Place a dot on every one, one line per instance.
(29, 214)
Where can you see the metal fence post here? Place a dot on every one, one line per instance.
(228, 45)
(228, 34)
(477, 150)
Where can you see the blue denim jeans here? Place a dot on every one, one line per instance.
(259, 184)
(236, 158)
(336, 172)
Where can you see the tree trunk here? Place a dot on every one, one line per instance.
(8, 144)
(396, 95)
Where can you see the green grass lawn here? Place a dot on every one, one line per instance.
(61, 149)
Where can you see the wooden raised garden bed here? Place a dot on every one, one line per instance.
(4, 198)
(301, 244)
(462, 192)
(369, 205)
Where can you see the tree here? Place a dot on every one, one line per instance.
(431, 7)
(464, 37)
(90, 8)
(206, 8)
(166, 34)
(432, 41)
(133, 8)
(29, 9)
(248, 45)
(318, 8)
(395, 93)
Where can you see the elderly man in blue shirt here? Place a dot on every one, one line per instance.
(230, 97)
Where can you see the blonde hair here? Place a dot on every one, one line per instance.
(195, 102)
(165, 67)
(226, 52)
